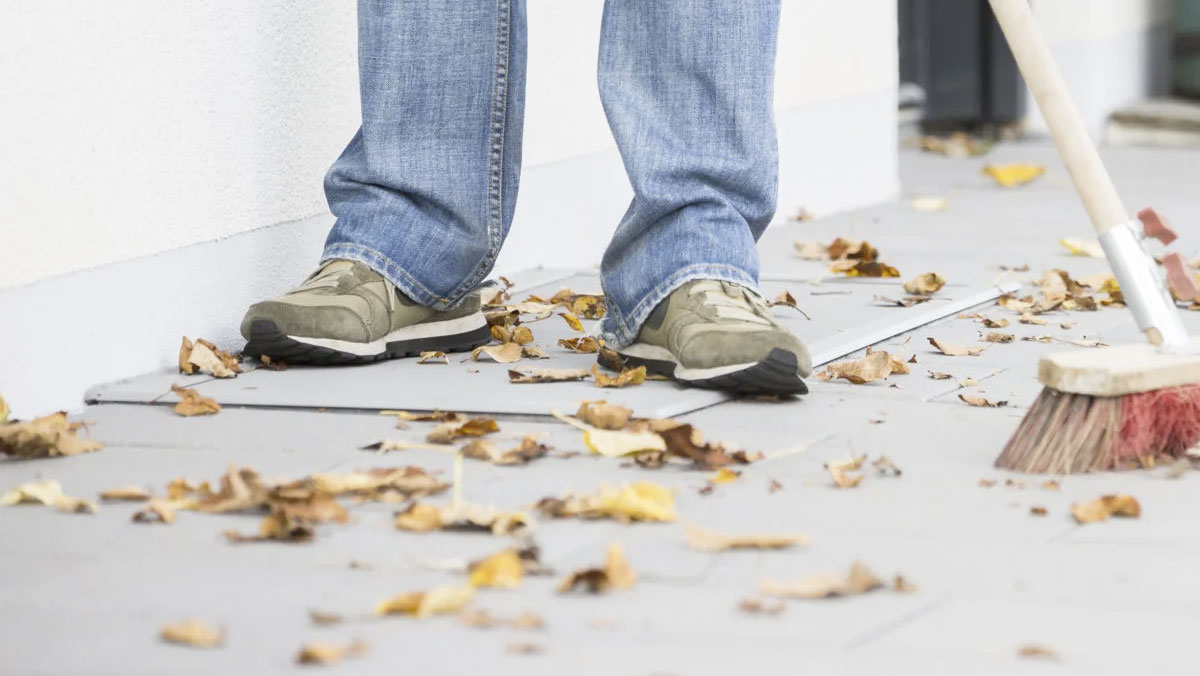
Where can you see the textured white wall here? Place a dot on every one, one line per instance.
(133, 127)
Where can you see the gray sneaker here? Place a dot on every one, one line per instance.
(346, 313)
(722, 336)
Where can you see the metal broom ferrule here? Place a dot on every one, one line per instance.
(1145, 287)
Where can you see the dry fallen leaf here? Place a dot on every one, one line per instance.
(506, 353)
(616, 573)
(572, 321)
(159, 510)
(907, 301)
(436, 601)
(4, 411)
(860, 268)
(581, 345)
(191, 403)
(1089, 248)
(758, 606)
(130, 493)
(786, 299)
(1015, 174)
(925, 284)
(871, 368)
(724, 476)
(709, 541)
(194, 633)
(996, 337)
(685, 441)
(617, 443)
(475, 427)
(1050, 485)
(938, 375)
(47, 492)
(637, 501)
(1106, 506)
(547, 375)
(46, 437)
(503, 569)
(421, 518)
(604, 415)
(981, 402)
(951, 350)
(840, 472)
(1038, 511)
(321, 652)
(1034, 650)
(433, 357)
(958, 145)
(528, 449)
(812, 251)
(886, 467)
(859, 580)
(633, 376)
(205, 357)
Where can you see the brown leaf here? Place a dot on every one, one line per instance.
(853, 268)
(980, 402)
(506, 353)
(901, 585)
(937, 375)
(994, 337)
(581, 345)
(604, 415)
(383, 484)
(205, 357)
(993, 323)
(1106, 506)
(1050, 485)
(161, 511)
(627, 377)
(951, 350)
(324, 619)
(193, 633)
(191, 403)
(705, 540)
(503, 569)
(546, 375)
(758, 606)
(1037, 511)
(433, 357)
(130, 493)
(616, 573)
(1034, 650)
(1030, 319)
(522, 335)
(859, 580)
(685, 441)
(774, 486)
(886, 467)
(522, 648)
(528, 449)
(987, 483)
(925, 284)
(272, 364)
(871, 368)
(907, 301)
(50, 436)
(475, 427)
(785, 298)
(321, 652)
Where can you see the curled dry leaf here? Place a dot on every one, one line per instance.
(205, 357)
(528, 449)
(130, 493)
(504, 569)
(627, 377)
(859, 268)
(993, 323)
(572, 321)
(685, 441)
(533, 352)
(907, 301)
(1038, 511)
(193, 633)
(616, 573)
(322, 652)
(996, 337)
(1014, 174)
(886, 467)
(160, 510)
(422, 604)
(324, 619)
(547, 375)
(980, 402)
(705, 540)
(581, 345)
(47, 492)
(951, 350)
(1106, 506)
(422, 518)
(938, 375)
(617, 443)
(760, 606)
(475, 427)
(637, 501)
(1036, 651)
(50, 436)
(925, 284)
(1031, 320)
(604, 415)
(433, 357)
(859, 580)
(787, 300)
(871, 368)
(382, 484)
(506, 353)
(840, 472)
(191, 403)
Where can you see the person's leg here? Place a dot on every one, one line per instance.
(424, 193)
(687, 88)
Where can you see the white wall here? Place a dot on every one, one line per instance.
(134, 128)
(1111, 52)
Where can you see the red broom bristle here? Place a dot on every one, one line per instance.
(1159, 422)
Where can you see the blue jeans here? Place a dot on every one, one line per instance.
(424, 192)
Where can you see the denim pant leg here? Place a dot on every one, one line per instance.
(687, 88)
(424, 192)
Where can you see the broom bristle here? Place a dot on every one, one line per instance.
(1065, 433)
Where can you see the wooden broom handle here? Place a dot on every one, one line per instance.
(1092, 181)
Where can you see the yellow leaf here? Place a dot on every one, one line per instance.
(616, 443)
(724, 476)
(191, 403)
(859, 580)
(436, 601)
(46, 437)
(639, 501)
(615, 574)
(194, 633)
(708, 541)
(419, 518)
(502, 569)
(1089, 248)
(633, 376)
(47, 492)
(572, 321)
(321, 652)
(1106, 506)
(581, 345)
(1012, 175)
(433, 357)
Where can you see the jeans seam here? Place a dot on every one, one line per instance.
(495, 151)
(628, 327)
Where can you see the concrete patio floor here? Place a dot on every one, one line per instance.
(87, 594)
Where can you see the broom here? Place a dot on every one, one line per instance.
(1115, 407)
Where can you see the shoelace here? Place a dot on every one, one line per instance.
(326, 278)
(746, 306)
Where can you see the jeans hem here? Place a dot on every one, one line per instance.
(627, 327)
(392, 272)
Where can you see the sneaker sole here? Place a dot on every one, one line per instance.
(774, 375)
(266, 338)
